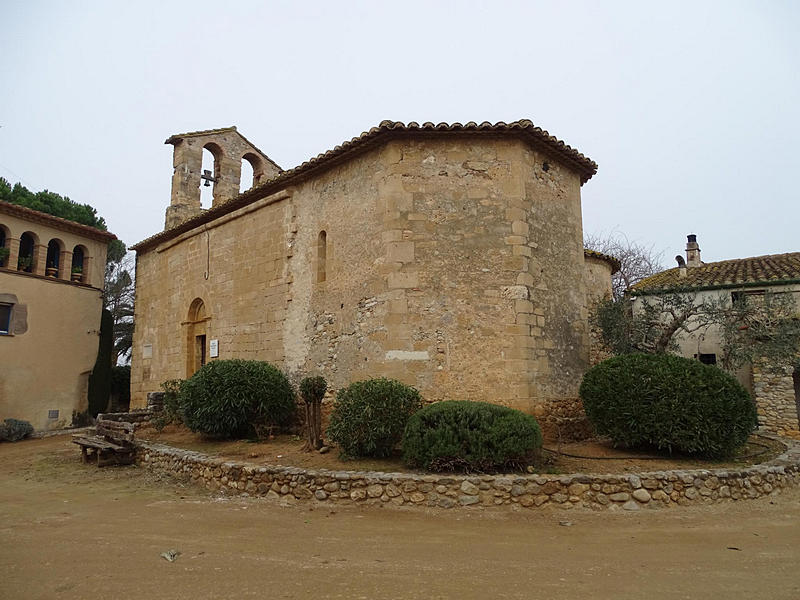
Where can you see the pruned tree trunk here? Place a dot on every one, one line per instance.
(313, 425)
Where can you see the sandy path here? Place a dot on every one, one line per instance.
(74, 531)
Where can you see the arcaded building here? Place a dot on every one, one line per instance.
(51, 299)
(447, 256)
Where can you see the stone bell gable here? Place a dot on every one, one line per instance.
(229, 148)
(447, 256)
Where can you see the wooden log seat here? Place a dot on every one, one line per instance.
(112, 443)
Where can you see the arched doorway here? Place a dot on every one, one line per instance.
(196, 348)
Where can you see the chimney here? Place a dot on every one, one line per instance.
(681, 266)
(692, 251)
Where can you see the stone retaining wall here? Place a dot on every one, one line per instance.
(629, 492)
(137, 417)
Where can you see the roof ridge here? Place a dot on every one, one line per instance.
(766, 269)
(759, 257)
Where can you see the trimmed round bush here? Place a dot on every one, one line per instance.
(668, 402)
(236, 398)
(13, 430)
(369, 416)
(459, 435)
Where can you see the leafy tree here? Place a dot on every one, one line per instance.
(51, 203)
(768, 329)
(636, 261)
(118, 298)
(765, 327)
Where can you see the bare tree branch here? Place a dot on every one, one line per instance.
(637, 261)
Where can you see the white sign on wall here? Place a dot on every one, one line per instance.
(214, 349)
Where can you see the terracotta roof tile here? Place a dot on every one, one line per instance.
(765, 270)
(536, 136)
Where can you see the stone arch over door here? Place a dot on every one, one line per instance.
(196, 340)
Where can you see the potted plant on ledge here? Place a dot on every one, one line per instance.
(77, 274)
(51, 270)
(24, 263)
(4, 252)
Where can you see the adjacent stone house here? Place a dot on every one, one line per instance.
(51, 286)
(776, 388)
(447, 256)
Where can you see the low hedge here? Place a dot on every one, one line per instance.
(369, 417)
(668, 402)
(236, 398)
(470, 436)
(13, 430)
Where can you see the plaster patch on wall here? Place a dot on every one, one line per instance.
(406, 355)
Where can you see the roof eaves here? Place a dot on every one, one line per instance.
(615, 264)
(30, 214)
(368, 139)
(634, 291)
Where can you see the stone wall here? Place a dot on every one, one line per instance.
(614, 492)
(229, 148)
(776, 401)
(237, 270)
(452, 263)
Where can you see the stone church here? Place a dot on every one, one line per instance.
(446, 256)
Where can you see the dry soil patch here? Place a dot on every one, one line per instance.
(69, 530)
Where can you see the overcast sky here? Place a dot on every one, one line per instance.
(691, 109)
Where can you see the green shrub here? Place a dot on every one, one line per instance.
(470, 436)
(236, 398)
(368, 417)
(312, 389)
(171, 410)
(13, 430)
(668, 402)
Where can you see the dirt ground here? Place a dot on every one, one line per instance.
(584, 457)
(69, 530)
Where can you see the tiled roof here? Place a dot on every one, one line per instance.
(757, 270)
(606, 257)
(524, 129)
(28, 214)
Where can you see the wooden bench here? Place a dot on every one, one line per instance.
(112, 442)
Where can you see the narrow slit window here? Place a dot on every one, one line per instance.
(322, 256)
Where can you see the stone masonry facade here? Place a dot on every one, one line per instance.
(448, 258)
(776, 399)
